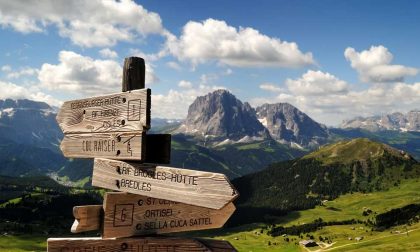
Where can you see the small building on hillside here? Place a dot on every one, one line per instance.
(308, 243)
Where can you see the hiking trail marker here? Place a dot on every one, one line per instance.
(206, 189)
(126, 214)
(154, 199)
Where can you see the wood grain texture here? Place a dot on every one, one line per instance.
(127, 214)
(134, 72)
(137, 244)
(122, 112)
(87, 218)
(206, 189)
(122, 146)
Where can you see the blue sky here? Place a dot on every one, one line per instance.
(331, 59)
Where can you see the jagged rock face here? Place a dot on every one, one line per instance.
(287, 123)
(221, 115)
(394, 121)
(29, 122)
(413, 120)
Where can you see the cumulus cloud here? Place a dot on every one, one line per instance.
(374, 65)
(24, 71)
(317, 83)
(83, 75)
(85, 23)
(108, 53)
(327, 99)
(185, 84)
(271, 87)
(244, 47)
(18, 92)
(174, 105)
(6, 68)
(174, 65)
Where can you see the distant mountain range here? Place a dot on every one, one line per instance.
(395, 121)
(220, 134)
(220, 118)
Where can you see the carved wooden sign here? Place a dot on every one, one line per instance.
(206, 189)
(127, 215)
(109, 126)
(138, 244)
(122, 112)
(127, 146)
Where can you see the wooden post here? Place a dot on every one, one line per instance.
(158, 146)
(134, 72)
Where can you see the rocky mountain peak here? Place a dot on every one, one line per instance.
(23, 104)
(222, 116)
(395, 121)
(29, 122)
(287, 123)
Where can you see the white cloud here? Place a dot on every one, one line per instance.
(271, 87)
(243, 47)
(108, 53)
(148, 57)
(174, 65)
(174, 105)
(185, 84)
(13, 91)
(330, 100)
(317, 83)
(83, 75)
(25, 71)
(374, 65)
(85, 23)
(6, 68)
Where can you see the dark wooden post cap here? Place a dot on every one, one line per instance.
(134, 72)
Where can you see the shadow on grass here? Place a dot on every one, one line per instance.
(247, 219)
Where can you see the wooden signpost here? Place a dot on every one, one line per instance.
(138, 244)
(153, 199)
(207, 189)
(123, 112)
(126, 215)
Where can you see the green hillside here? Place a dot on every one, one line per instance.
(233, 160)
(255, 237)
(39, 205)
(350, 206)
(349, 151)
(358, 165)
(408, 141)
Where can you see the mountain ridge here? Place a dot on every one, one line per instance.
(220, 118)
(394, 121)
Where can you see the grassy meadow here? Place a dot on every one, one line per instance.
(254, 237)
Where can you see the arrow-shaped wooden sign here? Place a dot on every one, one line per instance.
(206, 189)
(138, 244)
(109, 126)
(127, 215)
(122, 112)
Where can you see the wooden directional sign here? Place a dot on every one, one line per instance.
(126, 146)
(137, 244)
(123, 112)
(87, 218)
(127, 215)
(206, 189)
(109, 126)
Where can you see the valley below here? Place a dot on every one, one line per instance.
(331, 189)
